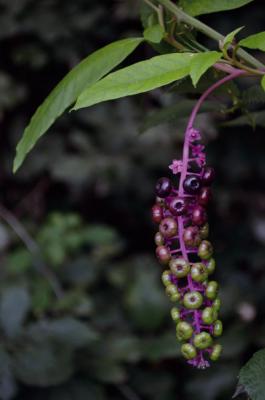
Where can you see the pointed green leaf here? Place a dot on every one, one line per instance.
(198, 7)
(256, 41)
(263, 82)
(201, 62)
(86, 73)
(251, 376)
(230, 37)
(137, 78)
(154, 34)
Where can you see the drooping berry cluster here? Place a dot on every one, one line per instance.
(183, 248)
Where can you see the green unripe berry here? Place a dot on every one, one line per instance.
(184, 330)
(210, 266)
(202, 340)
(193, 300)
(166, 278)
(188, 351)
(216, 352)
(179, 267)
(205, 250)
(211, 290)
(199, 272)
(172, 292)
(209, 315)
(159, 240)
(217, 304)
(218, 328)
(175, 314)
(204, 231)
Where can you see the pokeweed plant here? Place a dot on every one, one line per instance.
(182, 241)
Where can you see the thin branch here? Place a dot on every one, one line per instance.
(33, 248)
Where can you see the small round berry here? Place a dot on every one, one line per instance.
(184, 330)
(179, 267)
(209, 315)
(178, 206)
(211, 290)
(218, 328)
(204, 231)
(172, 292)
(205, 250)
(163, 254)
(202, 340)
(199, 272)
(208, 176)
(163, 187)
(191, 236)
(192, 184)
(175, 314)
(159, 240)
(168, 227)
(216, 304)
(204, 196)
(210, 265)
(216, 352)
(160, 201)
(157, 213)
(198, 216)
(192, 300)
(188, 351)
(166, 278)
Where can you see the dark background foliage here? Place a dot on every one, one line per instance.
(84, 196)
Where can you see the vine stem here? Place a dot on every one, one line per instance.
(208, 31)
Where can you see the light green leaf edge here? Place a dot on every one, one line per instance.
(252, 375)
(137, 78)
(86, 73)
(230, 37)
(200, 7)
(256, 41)
(154, 34)
(201, 62)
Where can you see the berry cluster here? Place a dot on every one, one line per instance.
(184, 249)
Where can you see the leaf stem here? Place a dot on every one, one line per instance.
(208, 31)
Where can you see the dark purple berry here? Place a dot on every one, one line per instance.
(208, 176)
(163, 254)
(157, 214)
(191, 236)
(192, 184)
(168, 227)
(163, 187)
(204, 196)
(199, 216)
(178, 206)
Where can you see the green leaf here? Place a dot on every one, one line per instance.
(230, 37)
(86, 73)
(14, 306)
(137, 78)
(263, 82)
(198, 7)
(256, 41)
(252, 375)
(154, 34)
(201, 62)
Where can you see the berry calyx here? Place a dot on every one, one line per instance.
(202, 340)
(163, 187)
(192, 184)
(178, 206)
(168, 227)
(188, 351)
(179, 267)
(192, 300)
(184, 330)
